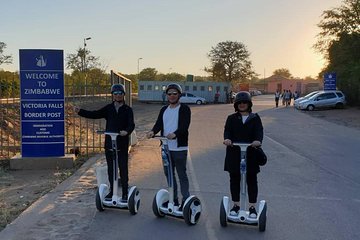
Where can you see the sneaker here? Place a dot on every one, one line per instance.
(235, 210)
(182, 205)
(109, 196)
(124, 198)
(252, 212)
(176, 203)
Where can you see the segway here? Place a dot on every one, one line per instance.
(243, 215)
(163, 203)
(133, 201)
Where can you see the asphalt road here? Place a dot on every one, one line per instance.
(311, 182)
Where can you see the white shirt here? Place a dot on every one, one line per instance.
(171, 122)
(244, 118)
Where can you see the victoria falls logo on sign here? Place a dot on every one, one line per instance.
(40, 61)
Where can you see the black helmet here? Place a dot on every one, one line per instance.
(117, 88)
(174, 86)
(242, 96)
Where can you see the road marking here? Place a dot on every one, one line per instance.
(209, 229)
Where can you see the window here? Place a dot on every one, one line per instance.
(194, 88)
(190, 95)
(149, 88)
(164, 87)
(142, 87)
(157, 88)
(218, 88)
(339, 94)
(187, 88)
(202, 88)
(225, 89)
(210, 88)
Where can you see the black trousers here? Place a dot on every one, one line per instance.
(252, 186)
(123, 168)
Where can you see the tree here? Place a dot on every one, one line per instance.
(337, 21)
(82, 60)
(344, 59)
(230, 62)
(284, 72)
(7, 59)
(148, 74)
(339, 41)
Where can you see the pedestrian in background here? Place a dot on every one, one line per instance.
(277, 97)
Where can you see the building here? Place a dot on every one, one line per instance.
(152, 91)
(276, 82)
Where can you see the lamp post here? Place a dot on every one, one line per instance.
(84, 63)
(138, 73)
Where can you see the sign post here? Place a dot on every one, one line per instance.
(42, 103)
(329, 81)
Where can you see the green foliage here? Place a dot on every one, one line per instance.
(337, 21)
(339, 41)
(230, 62)
(148, 74)
(344, 59)
(9, 84)
(82, 60)
(284, 72)
(4, 58)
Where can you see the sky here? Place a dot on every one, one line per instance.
(169, 35)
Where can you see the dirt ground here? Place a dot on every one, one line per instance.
(19, 189)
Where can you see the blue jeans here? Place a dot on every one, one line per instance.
(178, 161)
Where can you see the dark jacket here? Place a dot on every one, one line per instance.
(123, 120)
(182, 132)
(237, 131)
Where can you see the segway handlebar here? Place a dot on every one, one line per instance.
(113, 135)
(243, 146)
(163, 139)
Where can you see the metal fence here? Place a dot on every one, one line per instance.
(80, 133)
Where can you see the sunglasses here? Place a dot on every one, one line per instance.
(172, 93)
(243, 102)
(118, 93)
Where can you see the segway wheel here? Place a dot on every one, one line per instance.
(262, 219)
(134, 202)
(192, 211)
(98, 202)
(156, 209)
(223, 217)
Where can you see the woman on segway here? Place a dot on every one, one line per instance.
(246, 127)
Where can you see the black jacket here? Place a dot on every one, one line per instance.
(182, 132)
(237, 131)
(123, 120)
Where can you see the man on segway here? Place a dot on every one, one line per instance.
(120, 119)
(173, 121)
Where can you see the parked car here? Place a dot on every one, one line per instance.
(190, 98)
(296, 101)
(255, 92)
(323, 99)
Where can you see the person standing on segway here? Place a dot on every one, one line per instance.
(246, 127)
(120, 119)
(173, 122)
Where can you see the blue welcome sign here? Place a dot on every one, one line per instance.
(329, 81)
(42, 103)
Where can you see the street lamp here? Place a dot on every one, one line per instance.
(138, 73)
(84, 63)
